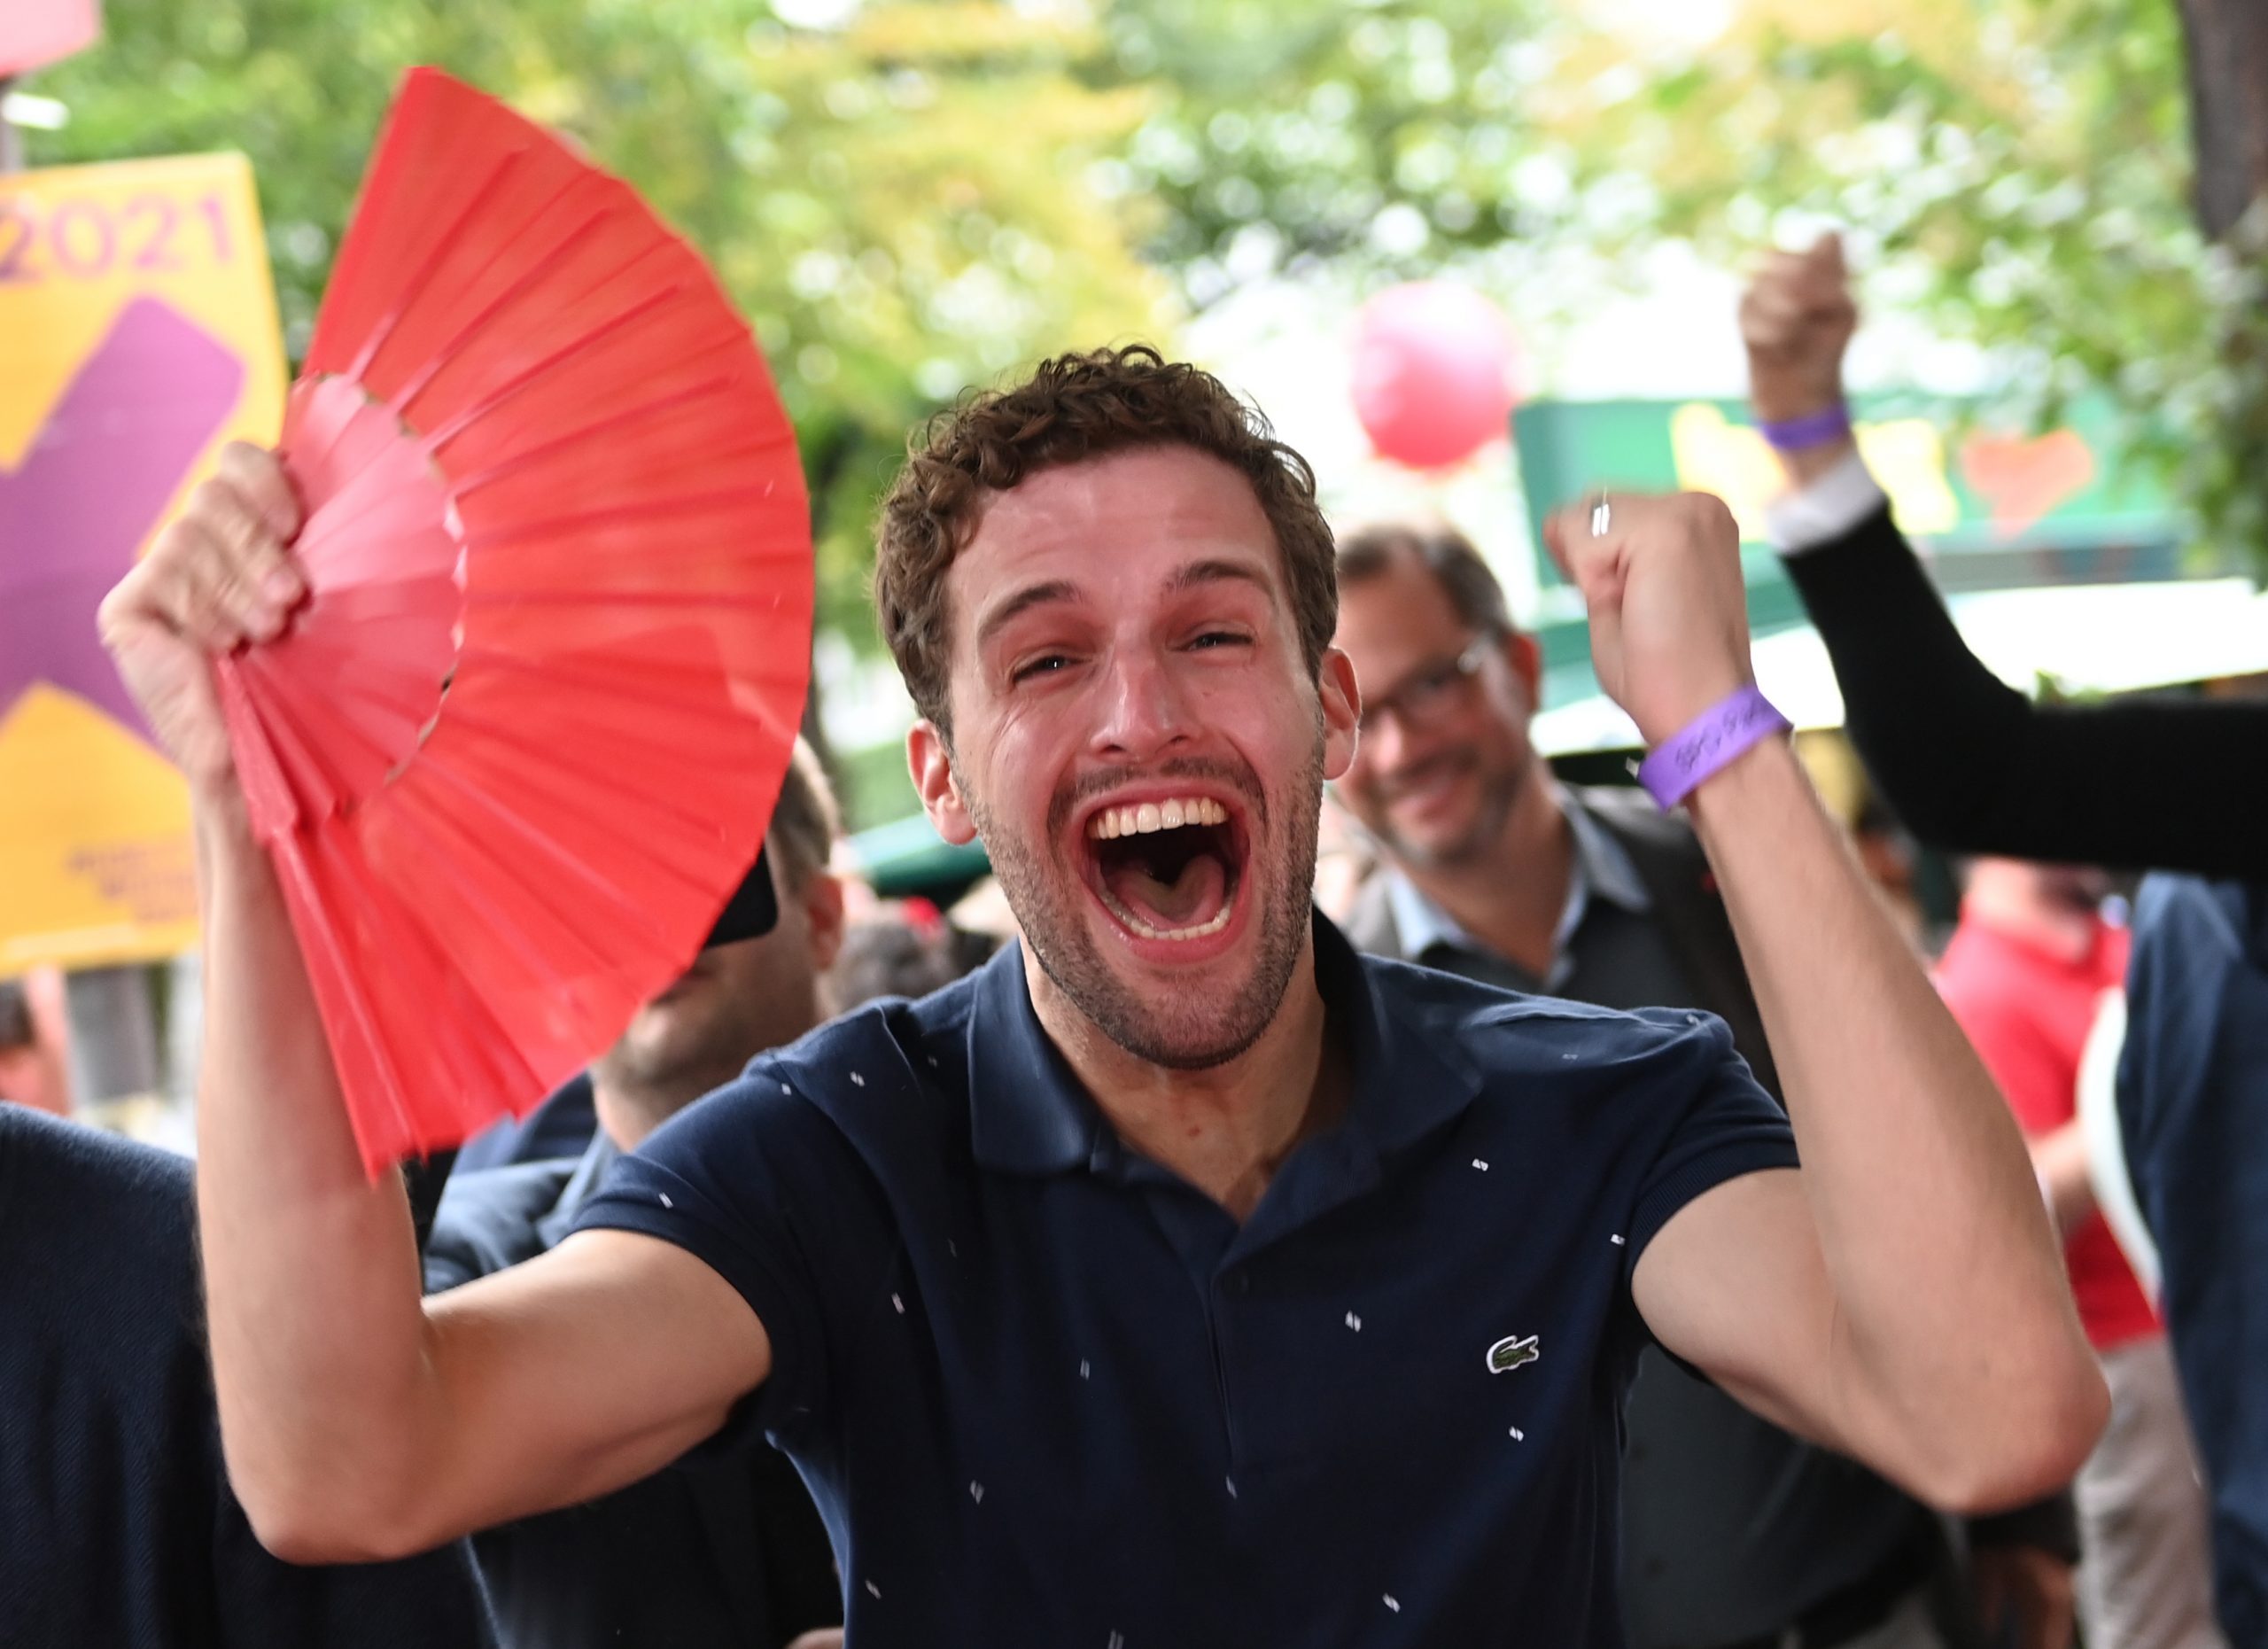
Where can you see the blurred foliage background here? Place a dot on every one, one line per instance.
(911, 196)
(2021, 174)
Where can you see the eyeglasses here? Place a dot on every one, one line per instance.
(1432, 696)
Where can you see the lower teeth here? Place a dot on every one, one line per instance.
(1142, 929)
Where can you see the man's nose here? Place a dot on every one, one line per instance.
(1147, 708)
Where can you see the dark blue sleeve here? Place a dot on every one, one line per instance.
(1715, 1123)
(758, 1184)
(2193, 1110)
(1722, 1125)
(1972, 765)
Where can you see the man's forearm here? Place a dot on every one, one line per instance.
(311, 1270)
(1949, 1288)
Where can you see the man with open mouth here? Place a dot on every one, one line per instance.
(1179, 1279)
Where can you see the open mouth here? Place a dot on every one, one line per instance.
(1166, 869)
(1424, 785)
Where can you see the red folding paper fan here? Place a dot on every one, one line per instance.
(523, 740)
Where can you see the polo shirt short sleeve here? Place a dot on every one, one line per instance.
(1726, 1126)
(1043, 1391)
(761, 1186)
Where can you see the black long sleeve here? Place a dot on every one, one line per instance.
(1972, 766)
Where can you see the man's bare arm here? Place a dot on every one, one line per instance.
(357, 1423)
(1902, 1298)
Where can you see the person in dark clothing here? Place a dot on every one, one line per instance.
(1973, 766)
(1734, 1531)
(118, 1529)
(2192, 1099)
(723, 1549)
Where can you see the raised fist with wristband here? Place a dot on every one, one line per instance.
(1911, 1167)
(1669, 628)
(1797, 318)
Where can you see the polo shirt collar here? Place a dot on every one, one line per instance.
(1030, 1113)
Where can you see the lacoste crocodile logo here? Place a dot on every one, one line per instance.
(1511, 1352)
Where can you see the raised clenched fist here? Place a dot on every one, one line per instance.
(1797, 318)
(1668, 611)
(219, 576)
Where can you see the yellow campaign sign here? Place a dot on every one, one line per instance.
(137, 336)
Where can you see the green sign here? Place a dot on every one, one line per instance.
(1956, 482)
(2005, 509)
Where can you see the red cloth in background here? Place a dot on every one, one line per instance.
(2028, 1012)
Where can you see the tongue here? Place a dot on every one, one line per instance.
(1189, 899)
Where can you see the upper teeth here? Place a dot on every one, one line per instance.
(1143, 817)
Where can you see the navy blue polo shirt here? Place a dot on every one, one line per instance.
(1045, 1392)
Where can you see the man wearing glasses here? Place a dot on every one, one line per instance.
(1734, 1531)
(1491, 867)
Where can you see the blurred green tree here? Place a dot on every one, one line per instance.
(2021, 170)
(1372, 138)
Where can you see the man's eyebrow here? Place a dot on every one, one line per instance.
(1031, 595)
(1189, 575)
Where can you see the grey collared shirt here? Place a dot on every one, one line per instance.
(1602, 871)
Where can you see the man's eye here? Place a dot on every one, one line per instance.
(1046, 664)
(1219, 638)
(1429, 688)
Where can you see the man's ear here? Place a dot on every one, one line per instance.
(825, 915)
(1524, 654)
(1342, 711)
(931, 761)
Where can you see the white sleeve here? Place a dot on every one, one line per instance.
(2098, 1111)
(1824, 509)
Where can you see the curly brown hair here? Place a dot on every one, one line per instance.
(1073, 408)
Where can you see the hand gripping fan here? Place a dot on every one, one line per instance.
(523, 739)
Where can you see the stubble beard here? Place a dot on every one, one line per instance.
(1499, 791)
(1189, 1030)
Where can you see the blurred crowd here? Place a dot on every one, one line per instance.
(2120, 1025)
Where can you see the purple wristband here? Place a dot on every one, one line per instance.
(1830, 423)
(1707, 743)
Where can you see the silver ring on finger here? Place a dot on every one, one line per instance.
(1601, 514)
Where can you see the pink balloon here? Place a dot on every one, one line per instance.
(33, 32)
(1435, 372)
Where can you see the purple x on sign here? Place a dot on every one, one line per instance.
(149, 399)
